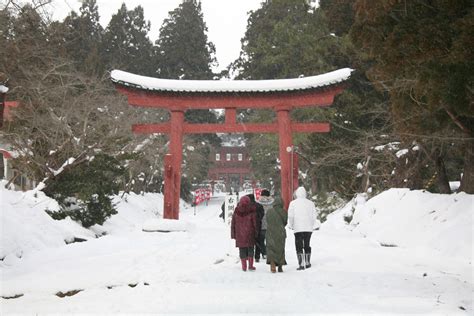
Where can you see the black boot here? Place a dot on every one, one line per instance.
(300, 261)
(308, 260)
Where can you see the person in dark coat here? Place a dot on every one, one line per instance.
(222, 215)
(260, 242)
(276, 218)
(244, 231)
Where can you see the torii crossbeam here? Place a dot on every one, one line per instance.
(177, 96)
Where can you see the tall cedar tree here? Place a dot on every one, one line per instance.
(25, 47)
(184, 52)
(422, 55)
(82, 38)
(339, 14)
(284, 39)
(126, 45)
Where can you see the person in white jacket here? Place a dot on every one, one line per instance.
(303, 219)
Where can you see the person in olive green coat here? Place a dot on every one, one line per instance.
(276, 219)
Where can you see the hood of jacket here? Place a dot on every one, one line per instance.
(266, 200)
(244, 206)
(300, 193)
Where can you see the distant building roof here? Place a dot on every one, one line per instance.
(223, 86)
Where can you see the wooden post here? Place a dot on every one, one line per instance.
(168, 194)
(176, 151)
(295, 170)
(2, 108)
(230, 115)
(286, 148)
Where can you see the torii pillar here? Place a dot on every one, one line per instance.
(172, 165)
(280, 96)
(285, 143)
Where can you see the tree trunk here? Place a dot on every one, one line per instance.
(12, 180)
(442, 179)
(467, 180)
(314, 181)
(365, 184)
(414, 176)
(2, 108)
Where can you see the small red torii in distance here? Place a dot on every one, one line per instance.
(177, 96)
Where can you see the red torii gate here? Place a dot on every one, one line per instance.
(177, 96)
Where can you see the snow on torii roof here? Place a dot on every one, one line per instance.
(276, 85)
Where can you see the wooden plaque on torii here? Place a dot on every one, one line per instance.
(177, 96)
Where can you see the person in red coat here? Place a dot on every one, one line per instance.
(244, 230)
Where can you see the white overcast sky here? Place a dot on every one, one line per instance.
(226, 20)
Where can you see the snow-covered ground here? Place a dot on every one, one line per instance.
(406, 252)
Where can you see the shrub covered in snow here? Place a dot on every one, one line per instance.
(83, 192)
(26, 227)
(326, 203)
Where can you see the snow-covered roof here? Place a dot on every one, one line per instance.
(172, 85)
(3, 89)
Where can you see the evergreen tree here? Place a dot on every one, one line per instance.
(184, 51)
(421, 55)
(82, 35)
(339, 14)
(284, 39)
(83, 192)
(126, 45)
(25, 45)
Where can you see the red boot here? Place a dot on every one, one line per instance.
(244, 264)
(251, 267)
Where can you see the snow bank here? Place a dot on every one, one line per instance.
(134, 209)
(339, 219)
(165, 225)
(413, 219)
(397, 217)
(26, 227)
(137, 211)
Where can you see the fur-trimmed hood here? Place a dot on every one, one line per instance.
(266, 200)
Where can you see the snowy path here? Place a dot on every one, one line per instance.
(138, 272)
